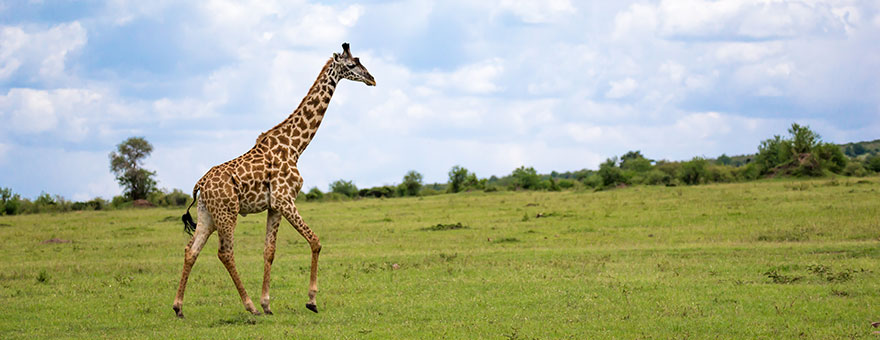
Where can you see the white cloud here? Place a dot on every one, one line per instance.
(621, 88)
(538, 11)
(740, 52)
(674, 70)
(31, 110)
(735, 19)
(40, 54)
(639, 19)
(70, 114)
(474, 78)
(258, 28)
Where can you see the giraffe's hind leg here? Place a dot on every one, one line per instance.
(225, 223)
(288, 209)
(204, 228)
(272, 221)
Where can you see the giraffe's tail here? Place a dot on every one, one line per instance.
(189, 226)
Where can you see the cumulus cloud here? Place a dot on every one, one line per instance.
(532, 11)
(735, 20)
(70, 114)
(474, 78)
(621, 88)
(38, 55)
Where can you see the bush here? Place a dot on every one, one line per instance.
(345, 188)
(657, 177)
(412, 183)
(457, 177)
(525, 178)
(873, 164)
(747, 172)
(552, 185)
(593, 181)
(95, 204)
(772, 153)
(383, 191)
(635, 161)
(163, 198)
(855, 169)
(694, 171)
(566, 183)
(610, 174)
(429, 191)
(830, 157)
(314, 194)
(720, 174)
(120, 202)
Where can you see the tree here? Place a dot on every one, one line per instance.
(525, 178)
(693, 171)
(772, 152)
(346, 188)
(858, 149)
(831, 157)
(724, 159)
(803, 140)
(873, 163)
(314, 194)
(127, 163)
(610, 174)
(635, 161)
(412, 183)
(8, 202)
(457, 177)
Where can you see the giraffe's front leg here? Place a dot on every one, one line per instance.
(272, 221)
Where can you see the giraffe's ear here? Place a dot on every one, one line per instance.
(335, 57)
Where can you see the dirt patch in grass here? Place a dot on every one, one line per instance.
(55, 241)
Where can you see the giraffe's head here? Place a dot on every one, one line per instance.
(350, 68)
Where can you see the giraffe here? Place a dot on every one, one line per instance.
(265, 178)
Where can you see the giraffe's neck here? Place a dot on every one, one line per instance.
(301, 125)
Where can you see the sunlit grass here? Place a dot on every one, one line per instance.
(770, 259)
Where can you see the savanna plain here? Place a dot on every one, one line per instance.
(784, 258)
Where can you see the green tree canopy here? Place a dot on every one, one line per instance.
(412, 183)
(127, 164)
(459, 178)
(343, 187)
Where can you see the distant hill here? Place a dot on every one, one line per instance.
(861, 148)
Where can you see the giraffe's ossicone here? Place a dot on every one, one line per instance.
(265, 178)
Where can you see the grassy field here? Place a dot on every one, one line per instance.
(771, 259)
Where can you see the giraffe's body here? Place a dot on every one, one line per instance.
(265, 178)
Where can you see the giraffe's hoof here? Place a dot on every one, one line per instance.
(267, 311)
(312, 307)
(256, 312)
(178, 312)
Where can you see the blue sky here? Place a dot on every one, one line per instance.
(489, 85)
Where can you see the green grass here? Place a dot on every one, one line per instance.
(771, 259)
